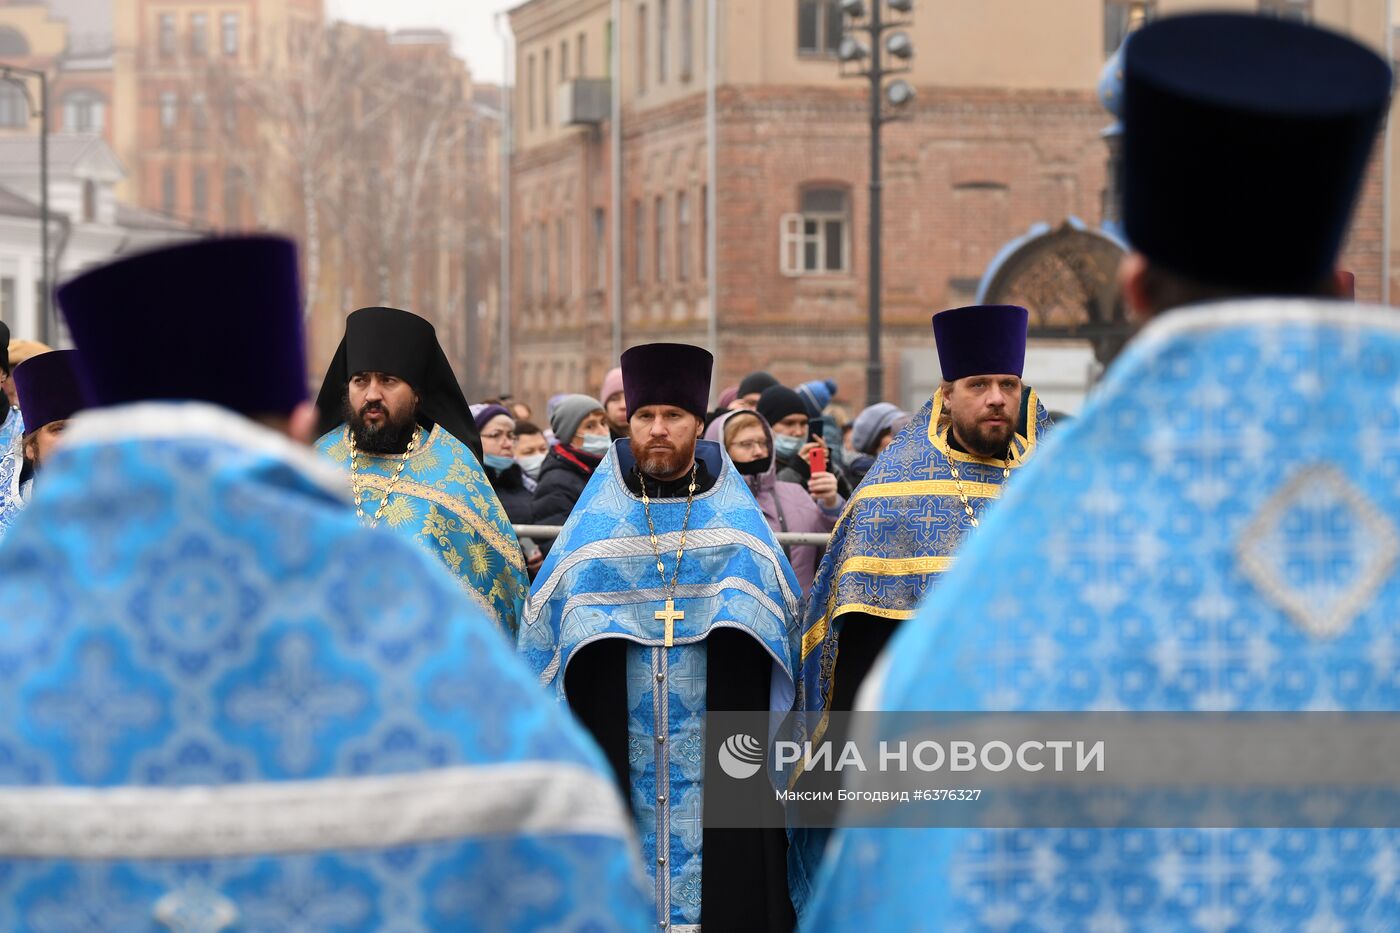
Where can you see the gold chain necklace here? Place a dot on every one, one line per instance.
(357, 491)
(670, 615)
(957, 482)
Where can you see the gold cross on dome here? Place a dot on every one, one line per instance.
(670, 615)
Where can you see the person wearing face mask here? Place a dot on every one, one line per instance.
(530, 450)
(581, 431)
(789, 417)
(787, 506)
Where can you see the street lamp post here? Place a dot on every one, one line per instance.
(15, 75)
(887, 41)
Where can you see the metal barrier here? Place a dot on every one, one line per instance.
(786, 538)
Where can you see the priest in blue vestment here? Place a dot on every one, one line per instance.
(231, 707)
(393, 415)
(667, 596)
(48, 382)
(11, 442)
(906, 521)
(1217, 532)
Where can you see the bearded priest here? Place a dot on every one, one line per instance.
(666, 596)
(393, 412)
(905, 522)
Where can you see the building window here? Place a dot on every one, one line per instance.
(663, 39)
(545, 71)
(600, 248)
(563, 61)
(659, 232)
(228, 33)
(167, 190)
(682, 236)
(704, 230)
(1297, 10)
(819, 27)
(642, 49)
(200, 191)
(169, 114)
(687, 39)
(83, 112)
(199, 34)
(233, 198)
(543, 249)
(14, 106)
(527, 269)
(199, 114)
(566, 285)
(167, 34)
(530, 91)
(1121, 17)
(582, 55)
(817, 240)
(639, 243)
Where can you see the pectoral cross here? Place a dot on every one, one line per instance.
(670, 615)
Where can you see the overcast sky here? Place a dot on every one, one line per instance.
(471, 24)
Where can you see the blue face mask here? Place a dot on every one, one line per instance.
(498, 463)
(786, 447)
(596, 444)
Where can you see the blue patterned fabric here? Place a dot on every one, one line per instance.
(11, 464)
(600, 581)
(444, 501)
(1218, 531)
(673, 706)
(898, 535)
(193, 605)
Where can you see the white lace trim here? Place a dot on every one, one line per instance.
(181, 420)
(536, 798)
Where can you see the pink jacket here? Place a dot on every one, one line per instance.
(787, 506)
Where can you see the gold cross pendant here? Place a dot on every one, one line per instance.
(670, 615)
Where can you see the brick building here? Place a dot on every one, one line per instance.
(1005, 132)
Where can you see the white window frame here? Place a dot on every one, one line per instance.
(794, 240)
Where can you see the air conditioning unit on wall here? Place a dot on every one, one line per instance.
(584, 101)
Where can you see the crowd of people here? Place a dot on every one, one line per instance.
(275, 663)
(769, 430)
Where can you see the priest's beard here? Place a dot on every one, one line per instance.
(664, 460)
(987, 440)
(390, 437)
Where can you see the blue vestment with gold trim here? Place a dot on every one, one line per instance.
(1219, 532)
(896, 538)
(898, 534)
(444, 501)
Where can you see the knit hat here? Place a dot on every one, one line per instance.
(612, 384)
(756, 382)
(569, 413)
(482, 414)
(777, 402)
(817, 394)
(871, 423)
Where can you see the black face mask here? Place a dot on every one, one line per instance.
(755, 467)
